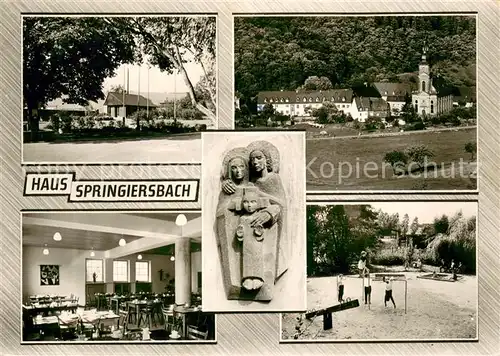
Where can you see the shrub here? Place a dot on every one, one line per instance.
(389, 257)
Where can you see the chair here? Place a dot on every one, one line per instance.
(169, 318)
(67, 328)
(194, 334)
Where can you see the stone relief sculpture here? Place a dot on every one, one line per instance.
(251, 221)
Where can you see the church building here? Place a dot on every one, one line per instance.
(426, 100)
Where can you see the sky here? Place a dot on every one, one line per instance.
(159, 82)
(427, 211)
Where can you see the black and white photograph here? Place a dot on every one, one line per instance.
(117, 89)
(113, 277)
(253, 208)
(388, 103)
(389, 271)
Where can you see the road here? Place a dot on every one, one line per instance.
(371, 135)
(177, 149)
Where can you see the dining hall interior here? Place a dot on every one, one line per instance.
(113, 276)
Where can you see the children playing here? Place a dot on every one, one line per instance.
(368, 287)
(340, 288)
(388, 291)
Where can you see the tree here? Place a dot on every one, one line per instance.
(317, 83)
(268, 111)
(414, 226)
(471, 147)
(408, 112)
(404, 225)
(441, 224)
(419, 154)
(396, 159)
(69, 57)
(171, 42)
(117, 89)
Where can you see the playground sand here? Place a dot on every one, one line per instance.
(435, 310)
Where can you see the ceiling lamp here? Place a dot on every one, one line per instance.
(172, 258)
(45, 250)
(57, 236)
(139, 257)
(122, 242)
(181, 220)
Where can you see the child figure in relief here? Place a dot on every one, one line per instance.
(252, 235)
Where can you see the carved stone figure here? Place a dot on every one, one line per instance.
(250, 222)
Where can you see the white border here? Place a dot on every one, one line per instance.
(347, 341)
(216, 124)
(304, 232)
(112, 342)
(388, 14)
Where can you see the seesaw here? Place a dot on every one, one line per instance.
(327, 312)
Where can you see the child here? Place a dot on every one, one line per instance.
(340, 288)
(368, 288)
(252, 240)
(362, 264)
(388, 292)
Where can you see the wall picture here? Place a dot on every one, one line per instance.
(49, 275)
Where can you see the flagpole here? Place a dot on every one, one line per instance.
(123, 91)
(138, 86)
(175, 93)
(147, 103)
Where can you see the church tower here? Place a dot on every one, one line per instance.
(424, 78)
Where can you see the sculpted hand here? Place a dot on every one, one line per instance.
(260, 219)
(228, 187)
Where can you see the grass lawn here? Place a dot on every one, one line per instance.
(435, 310)
(339, 153)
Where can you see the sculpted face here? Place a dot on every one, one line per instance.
(237, 167)
(250, 202)
(258, 160)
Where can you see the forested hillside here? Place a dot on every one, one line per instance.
(273, 53)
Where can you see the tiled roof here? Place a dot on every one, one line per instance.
(116, 99)
(371, 104)
(393, 89)
(398, 98)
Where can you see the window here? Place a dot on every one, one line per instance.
(94, 266)
(142, 271)
(305, 100)
(343, 98)
(298, 99)
(298, 106)
(287, 100)
(317, 99)
(416, 105)
(423, 85)
(281, 100)
(120, 271)
(271, 100)
(310, 100)
(265, 100)
(432, 107)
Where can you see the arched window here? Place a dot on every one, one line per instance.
(287, 100)
(310, 100)
(343, 98)
(265, 100)
(432, 107)
(305, 99)
(423, 85)
(271, 100)
(281, 100)
(317, 99)
(416, 105)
